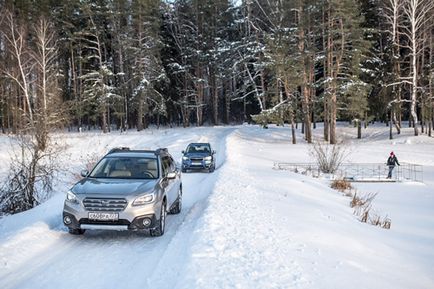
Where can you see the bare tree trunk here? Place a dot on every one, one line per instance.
(305, 89)
(414, 93)
(326, 119)
(293, 128)
(430, 81)
(333, 109)
(390, 125)
(335, 73)
(215, 97)
(104, 119)
(328, 69)
(185, 112)
(140, 113)
(228, 94)
(312, 92)
(395, 120)
(199, 96)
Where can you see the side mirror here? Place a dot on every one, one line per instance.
(84, 173)
(171, 176)
(183, 152)
(214, 152)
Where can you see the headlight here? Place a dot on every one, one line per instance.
(184, 158)
(208, 158)
(71, 197)
(146, 199)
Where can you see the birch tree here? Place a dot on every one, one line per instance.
(35, 75)
(417, 13)
(393, 15)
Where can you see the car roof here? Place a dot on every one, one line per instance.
(199, 143)
(133, 154)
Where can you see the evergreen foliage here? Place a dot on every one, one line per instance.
(127, 64)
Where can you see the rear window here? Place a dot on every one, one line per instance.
(126, 168)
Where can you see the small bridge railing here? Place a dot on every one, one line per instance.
(363, 172)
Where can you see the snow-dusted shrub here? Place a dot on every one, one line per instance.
(363, 209)
(376, 220)
(362, 201)
(341, 185)
(30, 177)
(327, 156)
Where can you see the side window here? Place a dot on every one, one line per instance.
(172, 165)
(166, 165)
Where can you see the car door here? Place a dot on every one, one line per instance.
(170, 184)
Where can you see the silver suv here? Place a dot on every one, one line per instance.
(126, 190)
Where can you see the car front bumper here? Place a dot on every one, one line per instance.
(196, 165)
(131, 218)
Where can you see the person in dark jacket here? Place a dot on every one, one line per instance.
(391, 162)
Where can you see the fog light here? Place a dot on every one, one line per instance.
(146, 222)
(67, 220)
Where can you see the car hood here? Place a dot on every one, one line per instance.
(114, 187)
(197, 155)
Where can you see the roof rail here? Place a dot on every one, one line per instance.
(161, 150)
(118, 149)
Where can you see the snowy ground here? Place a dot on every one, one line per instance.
(244, 226)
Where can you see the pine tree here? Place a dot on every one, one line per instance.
(343, 39)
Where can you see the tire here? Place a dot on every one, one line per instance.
(184, 170)
(76, 231)
(177, 207)
(159, 230)
(211, 169)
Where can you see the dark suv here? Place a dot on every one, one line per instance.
(126, 190)
(198, 156)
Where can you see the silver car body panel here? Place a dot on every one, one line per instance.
(104, 227)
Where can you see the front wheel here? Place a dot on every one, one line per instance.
(211, 169)
(176, 208)
(76, 231)
(159, 230)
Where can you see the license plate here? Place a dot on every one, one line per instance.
(196, 163)
(104, 216)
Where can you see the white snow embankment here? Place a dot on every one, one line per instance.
(271, 229)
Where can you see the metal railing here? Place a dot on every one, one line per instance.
(363, 172)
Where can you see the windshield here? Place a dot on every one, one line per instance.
(199, 148)
(126, 168)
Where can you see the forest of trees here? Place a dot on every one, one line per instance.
(124, 64)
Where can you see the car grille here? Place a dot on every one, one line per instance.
(196, 159)
(110, 205)
(96, 222)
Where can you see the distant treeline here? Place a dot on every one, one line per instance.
(131, 63)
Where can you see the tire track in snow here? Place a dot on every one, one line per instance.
(167, 272)
(236, 243)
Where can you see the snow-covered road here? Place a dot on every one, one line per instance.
(243, 226)
(44, 255)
